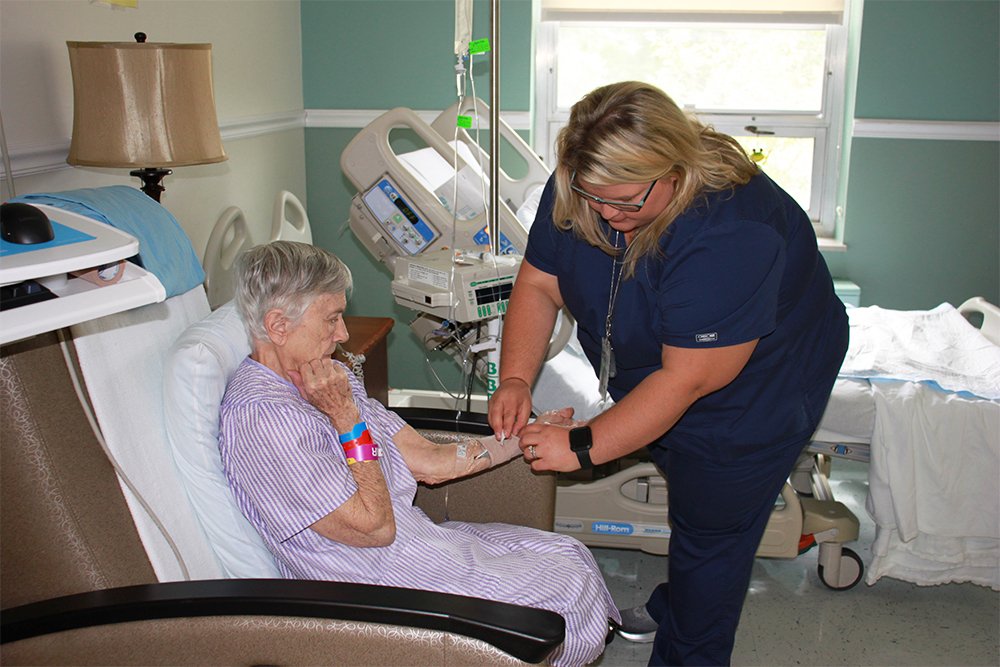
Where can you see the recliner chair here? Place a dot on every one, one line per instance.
(78, 587)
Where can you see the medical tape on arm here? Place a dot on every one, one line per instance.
(501, 451)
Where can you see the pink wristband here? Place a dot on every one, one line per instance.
(366, 452)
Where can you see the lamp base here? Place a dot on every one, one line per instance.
(151, 177)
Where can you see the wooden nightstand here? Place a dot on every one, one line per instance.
(368, 337)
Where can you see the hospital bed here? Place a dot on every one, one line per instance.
(928, 426)
(627, 507)
(122, 545)
(231, 235)
(918, 399)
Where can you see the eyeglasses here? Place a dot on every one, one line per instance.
(628, 207)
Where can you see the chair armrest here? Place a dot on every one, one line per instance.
(434, 419)
(510, 493)
(526, 633)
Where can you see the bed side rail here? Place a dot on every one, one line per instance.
(991, 317)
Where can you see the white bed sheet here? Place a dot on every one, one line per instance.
(933, 486)
(850, 414)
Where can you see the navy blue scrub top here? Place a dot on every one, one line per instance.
(741, 264)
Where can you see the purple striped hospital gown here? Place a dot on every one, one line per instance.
(287, 470)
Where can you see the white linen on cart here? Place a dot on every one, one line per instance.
(933, 487)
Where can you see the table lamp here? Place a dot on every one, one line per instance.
(143, 105)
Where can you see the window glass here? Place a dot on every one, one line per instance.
(787, 160)
(778, 88)
(711, 68)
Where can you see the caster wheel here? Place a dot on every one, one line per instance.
(851, 571)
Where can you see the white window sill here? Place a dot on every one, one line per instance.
(829, 244)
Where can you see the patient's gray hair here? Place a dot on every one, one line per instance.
(285, 276)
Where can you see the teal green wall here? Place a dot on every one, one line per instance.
(381, 54)
(922, 222)
(930, 60)
(923, 216)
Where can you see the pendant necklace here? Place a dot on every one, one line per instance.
(608, 369)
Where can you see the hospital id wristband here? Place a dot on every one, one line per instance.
(360, 431)
(356, 437)
(362, 453)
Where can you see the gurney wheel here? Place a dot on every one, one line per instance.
(851, 570)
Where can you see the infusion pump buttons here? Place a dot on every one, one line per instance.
(397, 218)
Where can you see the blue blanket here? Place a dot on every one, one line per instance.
(164, 248)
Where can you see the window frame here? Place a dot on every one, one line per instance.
(826, 127)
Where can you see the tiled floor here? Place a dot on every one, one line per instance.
(790, 618)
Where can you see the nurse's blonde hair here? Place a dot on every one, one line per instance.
(632, 132)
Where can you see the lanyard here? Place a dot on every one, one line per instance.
(608, 369)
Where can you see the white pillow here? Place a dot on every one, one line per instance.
(197, 368)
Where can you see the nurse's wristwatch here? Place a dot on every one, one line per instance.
(580, 442)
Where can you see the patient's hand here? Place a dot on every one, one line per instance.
(325, 384)
(562, 417)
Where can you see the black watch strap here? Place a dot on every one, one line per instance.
(580, 442)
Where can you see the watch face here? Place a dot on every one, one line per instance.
(580, 439)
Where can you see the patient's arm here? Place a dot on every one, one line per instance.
(434, 463)
(366, 518)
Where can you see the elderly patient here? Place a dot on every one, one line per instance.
(328, 476)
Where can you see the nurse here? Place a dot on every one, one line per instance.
(708, 314)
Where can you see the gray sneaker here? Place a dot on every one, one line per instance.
(637, 625)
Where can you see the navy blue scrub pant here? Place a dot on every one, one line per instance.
(718, 512)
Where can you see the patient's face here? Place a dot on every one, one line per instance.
(317, 335)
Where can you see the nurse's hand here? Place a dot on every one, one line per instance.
(546, 447)
(510, 408)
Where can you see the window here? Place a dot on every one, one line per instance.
(775, 82)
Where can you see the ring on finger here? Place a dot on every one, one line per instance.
(534, 456)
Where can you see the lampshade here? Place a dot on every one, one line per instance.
(143, 105)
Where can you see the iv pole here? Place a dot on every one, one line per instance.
(494, 326)
(494, 126)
